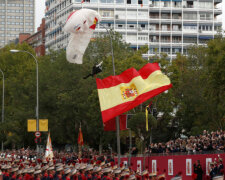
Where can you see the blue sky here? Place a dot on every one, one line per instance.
(40, 8)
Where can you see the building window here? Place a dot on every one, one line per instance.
(140, 1)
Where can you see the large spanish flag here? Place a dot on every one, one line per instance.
(121, 93)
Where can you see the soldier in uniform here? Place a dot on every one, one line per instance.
(7, 172)
(212, 171)
(73, 174)
(14, 173)
(82, 176)
(51, 173)
(220, 167)
(37, 175)
(67, 174)
(199, 170)
(59, 171)
(88, 172)
(117, 174)
(97, 173)
(45, 172)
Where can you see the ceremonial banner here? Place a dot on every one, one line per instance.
(188, 167)
(49, 151)
(170, 167)
(80, 140)
(111, 125)
(154, 166)
(119, 94)
(208, 161)
(139, 166)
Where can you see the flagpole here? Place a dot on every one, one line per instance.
(117, 117)
(79, 145)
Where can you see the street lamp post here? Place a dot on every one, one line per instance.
(117, 117)
(37, 106)
(3, 98)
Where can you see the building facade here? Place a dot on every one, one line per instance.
(36, 40)
(16, 16)
(165, 26)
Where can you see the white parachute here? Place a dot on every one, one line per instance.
(81, 25)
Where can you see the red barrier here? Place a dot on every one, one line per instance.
(173, 164)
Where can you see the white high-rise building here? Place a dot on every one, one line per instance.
(165, 26)
(16, 16)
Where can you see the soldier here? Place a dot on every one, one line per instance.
(199, 170)
(45, 172)
(106, 173)
(117, 174)
(97, 173)
(145, 175)
(212, 171)
(220, 167)
(13, 173)
(37, 175)
(88, 172)
(82, 176)
(73, 174)
(67, 174)
(7, 172)
(19, 175)
(31, 173)
(59, 171)
(51, 173)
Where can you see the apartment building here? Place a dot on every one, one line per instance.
(16, 16)
(165, 26)
(36, 40)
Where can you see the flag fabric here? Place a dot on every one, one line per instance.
(80, 138)
(111, 124)
(121, 93)
(48, 151)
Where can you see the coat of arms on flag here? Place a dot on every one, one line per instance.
(130, 91)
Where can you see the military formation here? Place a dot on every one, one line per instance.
(85, 169)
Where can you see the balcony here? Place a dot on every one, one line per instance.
(165, 17)
(165, 41)
(154, 40)
(154, 17)
(177, 41)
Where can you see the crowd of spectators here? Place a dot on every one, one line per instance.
(206, 142)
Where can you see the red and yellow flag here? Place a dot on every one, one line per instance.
(121, 93)
(80, 138)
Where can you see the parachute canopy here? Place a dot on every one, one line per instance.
(81, 24)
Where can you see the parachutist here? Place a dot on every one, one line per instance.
(95, 70)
